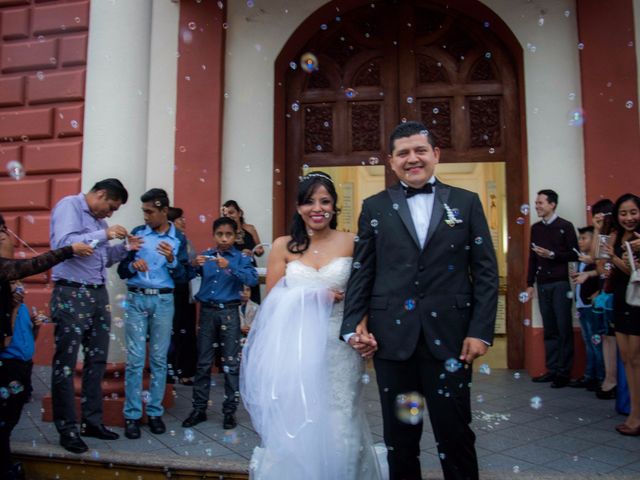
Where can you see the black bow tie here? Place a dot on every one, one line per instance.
(410, 191)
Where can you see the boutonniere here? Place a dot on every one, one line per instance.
(453, 216)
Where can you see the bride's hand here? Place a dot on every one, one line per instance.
(338, 296)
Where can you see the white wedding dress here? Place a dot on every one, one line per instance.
(302, 385)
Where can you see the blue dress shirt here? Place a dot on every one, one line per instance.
(224, 285)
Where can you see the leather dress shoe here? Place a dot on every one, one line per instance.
(624, 429)
(72, 442)
(99, 431)
(560, 381)
(547, 377)
(132, 429)
(606, 394)
(229, 421)
(156, 425)
(195, 417)
(581, 382)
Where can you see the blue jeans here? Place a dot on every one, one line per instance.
(592, 325)
(151, 314)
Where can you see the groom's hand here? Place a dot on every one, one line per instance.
(363, 341)
(472, 348)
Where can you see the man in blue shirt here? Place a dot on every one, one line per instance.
(225, 270)
(151, 273)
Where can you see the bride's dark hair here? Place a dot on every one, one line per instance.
(299, 242)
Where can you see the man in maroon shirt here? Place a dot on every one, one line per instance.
(553, 245)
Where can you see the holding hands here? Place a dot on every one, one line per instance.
(363, 341)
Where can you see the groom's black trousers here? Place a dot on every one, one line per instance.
(447, 398)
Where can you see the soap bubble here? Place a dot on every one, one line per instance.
(535, 403)
(4, 393)
(580, 46)
(323, 26)
(409, 304)
(409, 100)
(350, 93)
(202, 218)
(576, 117)
(524, 209)
(295, 106)
(516, 375)
(192, 25)
(452, 365)
(365, 378)
(309, 62)
(478, 240)
(596, 339)
(374, 223)
(15, 387)
(516, 469)
(356, 265)
(629, 104)
(293, 65)
(189, 436)
(395, 206)
(485, 369)
(492, 150)
(526, 322)
(410, 407)
(523, 297)
(520, 221)
(374, 160)
(146, 396)
(15, 169)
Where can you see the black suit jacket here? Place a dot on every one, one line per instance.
(448, 289)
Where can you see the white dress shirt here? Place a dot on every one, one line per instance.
(421, 207)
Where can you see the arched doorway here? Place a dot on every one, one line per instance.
(454, 67)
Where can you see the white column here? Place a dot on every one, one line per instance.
(163, 83)
(116, 115)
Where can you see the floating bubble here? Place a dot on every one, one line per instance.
(516, 469)
(4, 393)
(523, 297)
(327, 215)
(225, 25)
(486, 24)
(66, 371)
(452, 365)
(189, 436)
(15, 387)
(250, 3)
(492, 150)
(293, 65)
(295, 106)
(309, 62)
(365, 378)
(350, 93)
(409, 100)
(581, 46)
(567, 13)
(576, 117)
(516, 375)
(374, 223)
(410, 408)
(540, 21)
(356, 238)
(569, 294)
(15, 169)
(192, 25)
(629, 104)
(520, 221)
(323, 26)
(484, 369)
(535, 403)
(40, 75)
(395, 206)
(231, 437)
(524, 209)
(478, 240)
(374, 160)
(437, 342)
(409, 304)
(146, 396)
(572, 96)
(356, 265)
(202, 218)
(596, 339)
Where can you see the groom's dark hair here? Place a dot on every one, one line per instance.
(407, 129)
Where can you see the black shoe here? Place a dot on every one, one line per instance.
(72, 442)
(156, 425)
(229, 421)
(99, 431)
(195, 417)
(560, 381)
(132, 429)
(581, 382)
(607, 394)
(547, 377)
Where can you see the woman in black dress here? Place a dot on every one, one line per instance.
(247, 238)
(626, 218)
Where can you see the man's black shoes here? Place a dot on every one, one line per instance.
(547, 377)
(99, 431)
(132, 429)
(560, 381)
(72, 442)
(156, 425)
(229, 421)
(195, 417)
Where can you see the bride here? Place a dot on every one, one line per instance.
(300, 383)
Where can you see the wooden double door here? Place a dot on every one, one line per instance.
(386, 61)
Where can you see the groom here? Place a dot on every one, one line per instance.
(425, 273)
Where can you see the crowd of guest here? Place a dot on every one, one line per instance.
(594, 270)
(159, 265)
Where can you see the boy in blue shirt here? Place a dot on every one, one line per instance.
(151, 274)
(224, 270)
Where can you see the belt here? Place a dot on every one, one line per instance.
(221, 306)
(69, 283)
(150, 291)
